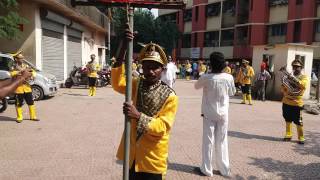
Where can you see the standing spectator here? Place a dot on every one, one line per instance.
(169, 74)
(227, 69)
(188, 69)
(217, 87)
(195, 70)
(93, 69)
(261, 79)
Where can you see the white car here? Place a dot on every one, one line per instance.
(44, 84)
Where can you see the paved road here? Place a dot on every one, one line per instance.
(78, 135)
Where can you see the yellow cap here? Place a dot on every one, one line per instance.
(153, 52)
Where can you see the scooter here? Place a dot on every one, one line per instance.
(78, 76)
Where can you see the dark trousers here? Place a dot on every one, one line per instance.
(261, 90)
(92, 81)
(143, 175)
(21, 97)
(292, 114)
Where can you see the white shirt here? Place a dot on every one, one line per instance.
(216, 91)
(170, 73)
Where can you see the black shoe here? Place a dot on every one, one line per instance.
(286, 139)
(198, 171)
(301, 142)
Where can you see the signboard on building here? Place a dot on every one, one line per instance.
(160, 4)
(195, 53)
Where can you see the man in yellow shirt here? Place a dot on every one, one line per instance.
(23, 91)
(152, 113)
(244, 76)
(227, 69)
(202, 68)
(293, 102)
(93, 69)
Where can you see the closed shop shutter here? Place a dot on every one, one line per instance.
(53, 53)
(74, 49)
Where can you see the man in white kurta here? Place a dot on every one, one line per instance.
(169, 75)
(217, 87)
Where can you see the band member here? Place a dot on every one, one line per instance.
(202, 68)
(292, 100)
(9, 86)
(152, 113)
(24, 91)
(244, 76)
(92, 68)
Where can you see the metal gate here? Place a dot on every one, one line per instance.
(53, 53)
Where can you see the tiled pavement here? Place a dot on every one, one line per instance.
(78, 135)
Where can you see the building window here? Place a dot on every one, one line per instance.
(278, 29)
(211, 39)
(277, 2)
(197, 13)
(213, 9)
(229, 6)
(317, 28)
(195, 39)
(227, 37)
(169, 17)
(186, 41)
(187, 15)
(242, 35)
(298, 2)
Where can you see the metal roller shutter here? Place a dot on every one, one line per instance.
(74, 54)
(52, 53)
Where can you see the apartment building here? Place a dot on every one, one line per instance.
(234, 27)
(59, 36)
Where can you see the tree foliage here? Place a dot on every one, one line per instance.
(10, 20)
(148, 28)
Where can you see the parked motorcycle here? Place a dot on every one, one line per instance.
(78, 76)
(3, 104)
(104, 78)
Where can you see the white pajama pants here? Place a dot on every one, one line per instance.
(215, 146)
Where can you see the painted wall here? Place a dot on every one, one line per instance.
(88, 48)
(27, 40)
(187, 27)
(213, 23)
(227, 51)
(185, 52)
(278, 14)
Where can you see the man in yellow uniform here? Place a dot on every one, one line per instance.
(92, 68)
(24, 91)
(202, 68)
(293, 103)
(152, 114)
(227, 69)
(188, 69)
(244, 76)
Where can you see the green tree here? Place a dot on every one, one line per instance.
(148, 29)
(10, 20)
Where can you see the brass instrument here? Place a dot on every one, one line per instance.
(91, 67)
(290, 82)
(22, 68)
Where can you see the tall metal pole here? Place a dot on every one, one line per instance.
(128, 69)
(318, 86)
(108, 26)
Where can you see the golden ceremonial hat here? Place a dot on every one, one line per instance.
(153, 52)
(297, 62)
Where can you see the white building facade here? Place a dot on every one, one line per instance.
(58, 36)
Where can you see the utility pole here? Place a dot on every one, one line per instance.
(318, 86)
